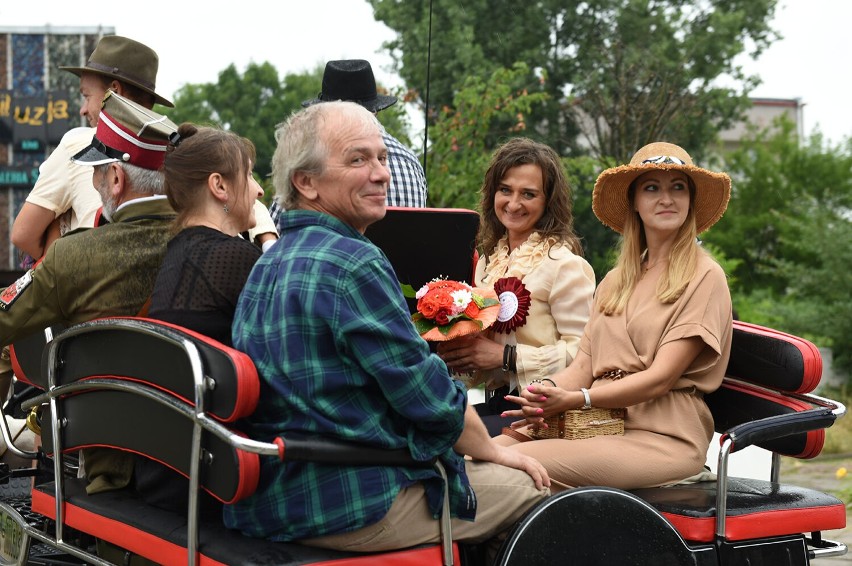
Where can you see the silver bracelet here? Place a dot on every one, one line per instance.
(588, 400)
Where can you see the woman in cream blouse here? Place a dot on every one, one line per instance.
(533, 259)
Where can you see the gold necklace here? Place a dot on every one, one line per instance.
(648, 268)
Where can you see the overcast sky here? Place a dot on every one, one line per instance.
(198, 38)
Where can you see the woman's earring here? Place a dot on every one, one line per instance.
(226, 209)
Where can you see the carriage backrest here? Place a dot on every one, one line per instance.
(147, 355)
(774, 359)
(425, 243)
(26, 355)
(768, 374)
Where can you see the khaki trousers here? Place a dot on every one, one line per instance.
(503, 495)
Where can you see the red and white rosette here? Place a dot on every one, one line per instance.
(514, 304)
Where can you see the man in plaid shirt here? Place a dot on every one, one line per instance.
(353, 79)
(324, 320)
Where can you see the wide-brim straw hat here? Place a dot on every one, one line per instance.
(610, 201)
(126, 60)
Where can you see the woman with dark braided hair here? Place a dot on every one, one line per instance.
(533, 259)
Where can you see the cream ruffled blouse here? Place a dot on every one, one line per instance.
(561, 285)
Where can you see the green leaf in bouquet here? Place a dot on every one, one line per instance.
(408, 291)
(483, 302)
(423, 325)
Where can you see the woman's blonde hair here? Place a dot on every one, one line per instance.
(683, 259)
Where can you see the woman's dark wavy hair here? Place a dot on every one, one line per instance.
(558, 218)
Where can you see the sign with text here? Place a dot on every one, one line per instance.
(44, 118)
(18, 176)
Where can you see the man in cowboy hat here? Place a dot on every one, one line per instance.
(353, 80)
(109, 271)
(62, 199)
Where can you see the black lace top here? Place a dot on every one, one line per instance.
(200, 281)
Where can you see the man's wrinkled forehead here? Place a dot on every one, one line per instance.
(344, 134)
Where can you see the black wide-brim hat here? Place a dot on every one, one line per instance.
(126, 60)
(351, 80)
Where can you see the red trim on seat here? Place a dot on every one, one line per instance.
(16, 367)
(249, 468)
(764, 524)
(249, 472)
(473, 266)
(226, 419)
(814, 439)
(427, 209)
(412, 557)
(810, 353)
(130, 538)
(154, 548)
(248, 384)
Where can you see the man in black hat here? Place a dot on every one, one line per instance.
(109, 271)
(353, 80)
(62, 199)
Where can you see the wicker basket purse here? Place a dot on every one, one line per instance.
(582, 423)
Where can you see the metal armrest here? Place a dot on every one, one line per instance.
(762, 430)
(324, 450)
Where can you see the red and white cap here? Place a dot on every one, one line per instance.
(128, 133)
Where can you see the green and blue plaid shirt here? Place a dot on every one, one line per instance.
(323, 317)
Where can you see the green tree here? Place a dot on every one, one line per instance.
(779, 186)
(624, 72)
(600, 244)
(788, 226)
(250, 104)
(818, 300)
(484, 114)
(253, 103)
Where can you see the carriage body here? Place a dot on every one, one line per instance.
(172, 395)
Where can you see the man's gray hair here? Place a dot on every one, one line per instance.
(303, 147)
(144, 181)
(141, 181)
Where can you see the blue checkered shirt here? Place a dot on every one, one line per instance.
(323, 317)
(408, 181)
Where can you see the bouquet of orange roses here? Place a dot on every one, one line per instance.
(448, 309)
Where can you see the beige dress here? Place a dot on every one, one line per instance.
(561, 286)
(665, 439)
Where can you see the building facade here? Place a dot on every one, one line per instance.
(38, 104)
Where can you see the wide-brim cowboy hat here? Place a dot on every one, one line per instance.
(126, 60)
(351, 80)
(610, 199)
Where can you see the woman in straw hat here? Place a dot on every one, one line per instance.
(659, 336)
(533, 259)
